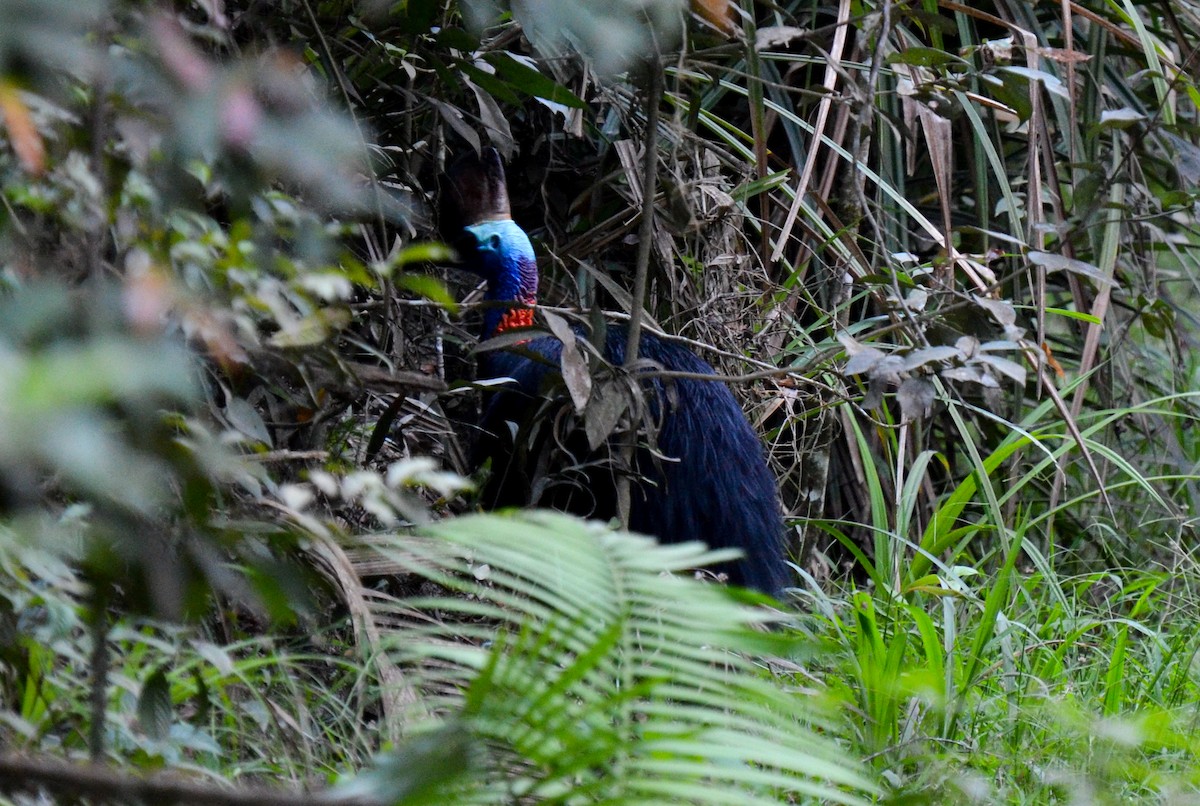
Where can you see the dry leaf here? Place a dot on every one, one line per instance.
(1001, 309)
(573, 364)
(773, 36)
(26, 141)
(862, 361)
(718, 14)
(1050, 359)
(1063, 56)
(603, 415)
(1002, 365)
(1052, 262)
(916, 396)
(919, 358)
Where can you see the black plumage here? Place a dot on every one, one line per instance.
(709, 480)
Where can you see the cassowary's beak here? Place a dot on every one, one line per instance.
(466, 246)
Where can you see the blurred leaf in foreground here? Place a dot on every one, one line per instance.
(612, 36)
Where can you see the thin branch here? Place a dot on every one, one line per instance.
(646, 229)
(654, 92)
(101, 784)
(288, 456)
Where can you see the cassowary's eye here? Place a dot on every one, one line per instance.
(494, 242)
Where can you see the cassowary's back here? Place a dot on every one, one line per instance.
(714, 484)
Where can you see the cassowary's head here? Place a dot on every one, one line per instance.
(500, 252)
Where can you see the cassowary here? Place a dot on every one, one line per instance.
(709, 480)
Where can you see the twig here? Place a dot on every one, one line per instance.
(97, 783)
(381, 379)
(346, 375)
(288, 456)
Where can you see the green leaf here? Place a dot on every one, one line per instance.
(419, 15)
(101, 372)
(203, 699)
(924, 57)
(457, 39)
(498, 89)
(748, 190)
(312, 329)
(154, 709)
(427, 252)
(1176, 198)
(1158, 318)
(417, 771)
(1091, 319)
(431, 288)
(1119, 118)
(530, 81)
(246, 420)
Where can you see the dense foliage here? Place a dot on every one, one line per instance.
(944, 253)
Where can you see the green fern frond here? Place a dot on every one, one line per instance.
(586, 673)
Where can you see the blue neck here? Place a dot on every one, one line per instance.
(504, 257)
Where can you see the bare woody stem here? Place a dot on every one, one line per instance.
(654, 91)
(98, 695)
(646, 225)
